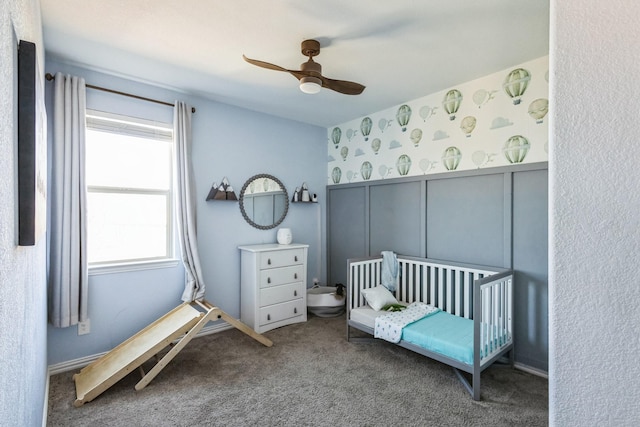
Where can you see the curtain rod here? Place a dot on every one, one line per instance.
(50, 77)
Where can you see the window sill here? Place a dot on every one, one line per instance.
(134, 266)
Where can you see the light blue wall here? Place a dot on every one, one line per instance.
(227, 141)
(23, 296)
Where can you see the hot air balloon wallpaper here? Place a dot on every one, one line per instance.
(344, 151)
(383, 124)
(375, 145)
(451, 103)
(515, 84)
(480, 158)
(403, 164)
(426, 165)
(538, 109)
(515, 149)
(384, 171)
(451, 158)
(403, 116)
(336, 174)
(365, 170)
(336, 135)
(482, 96)
(416, 136)
(365, 127)
(467, 125)
(426, 112)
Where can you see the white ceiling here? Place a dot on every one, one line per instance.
(400, 49)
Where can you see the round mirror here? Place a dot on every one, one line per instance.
(264, 201)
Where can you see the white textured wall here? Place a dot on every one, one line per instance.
(595, 213)
(23, 369)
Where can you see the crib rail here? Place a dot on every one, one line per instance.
(493, 316)
(446, 285)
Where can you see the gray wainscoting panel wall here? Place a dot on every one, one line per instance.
(394, 211)
(465, 219)
(494, 216)
(347, 230)
(530, 262)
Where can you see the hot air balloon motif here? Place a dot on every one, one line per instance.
(336, 174)
(365, 170)
(538, 109)
(344, 151)
(384, 171)
(426, 112)
(426, 165)
(403, 164)
(351, 133)
(515, 149)
(416, 136)
(351, 175)
(451, 103)
(451, 158)
(515, 84)
(403, 116)
(336, 135)
(375, 145)
(365, 127)
(482, 96)
(467, 125)
(383, 124)
(478, 158)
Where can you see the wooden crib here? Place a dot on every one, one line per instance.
(482, 294)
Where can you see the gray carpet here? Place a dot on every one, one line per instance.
(311, 377)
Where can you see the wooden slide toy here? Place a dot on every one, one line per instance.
(184, 321)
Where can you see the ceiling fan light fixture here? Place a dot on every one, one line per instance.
(310, 84)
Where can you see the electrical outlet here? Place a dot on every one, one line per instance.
(84, 327)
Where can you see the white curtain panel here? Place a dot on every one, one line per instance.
(68, 275)
(186, 204)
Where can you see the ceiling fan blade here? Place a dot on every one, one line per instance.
(296, 73)
(342, 86)
(263, 64)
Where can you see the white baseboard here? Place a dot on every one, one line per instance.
(531, 370)
(75, 364)
(45, 410)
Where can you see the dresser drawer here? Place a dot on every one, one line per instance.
(282, 293)
(281, 276)
(285, 310)
(283, 258)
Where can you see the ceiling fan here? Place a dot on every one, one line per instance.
(310, 73)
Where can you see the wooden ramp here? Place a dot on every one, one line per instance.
(184, 321)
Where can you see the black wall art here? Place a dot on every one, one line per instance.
(32, 149)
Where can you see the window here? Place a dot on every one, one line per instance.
(129, 177)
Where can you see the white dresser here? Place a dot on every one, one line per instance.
(273, 285)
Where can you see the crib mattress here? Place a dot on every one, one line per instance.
(441, 332)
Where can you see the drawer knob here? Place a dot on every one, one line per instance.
(295, 293)
(268, 279)
(295, 310)
(268, 317)
(268, 261)
(295, 275)
(295, 258)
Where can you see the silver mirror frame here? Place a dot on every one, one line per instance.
(241, 199)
